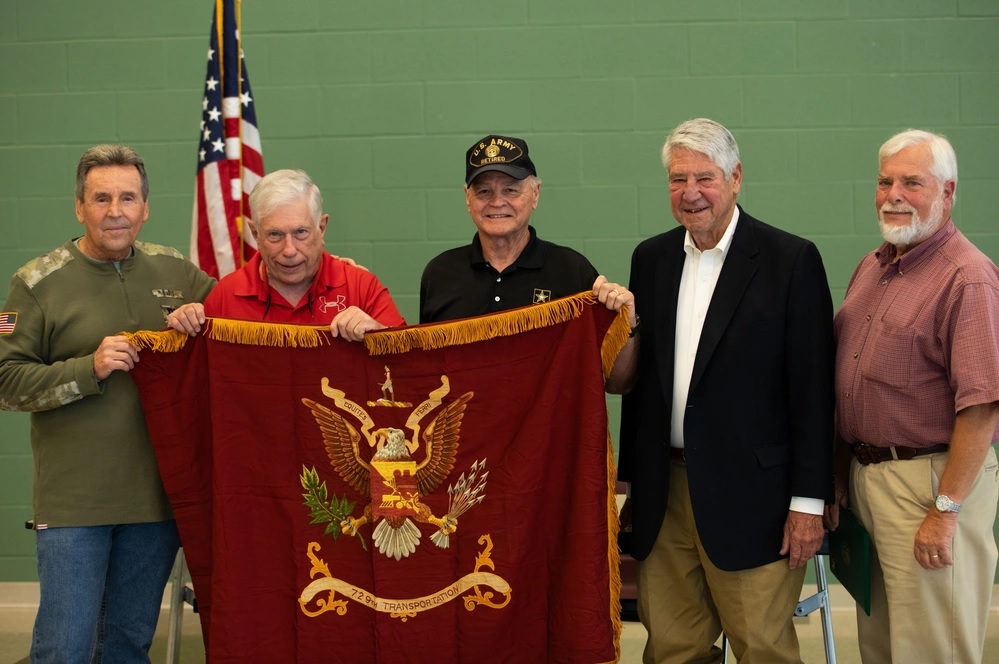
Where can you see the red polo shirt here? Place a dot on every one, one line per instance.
(246, 295)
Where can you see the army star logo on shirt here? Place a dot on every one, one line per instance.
(541, 296)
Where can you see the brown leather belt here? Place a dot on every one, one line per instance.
(868, 454)
(676, 454)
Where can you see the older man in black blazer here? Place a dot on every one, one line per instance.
(727, 420)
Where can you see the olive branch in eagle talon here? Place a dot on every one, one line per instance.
(396, 482)
(332, 512)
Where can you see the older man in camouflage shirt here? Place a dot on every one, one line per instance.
(105, 534)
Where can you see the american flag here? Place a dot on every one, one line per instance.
(7, 321)
(230, 160)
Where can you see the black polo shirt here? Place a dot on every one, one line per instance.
(459, 283)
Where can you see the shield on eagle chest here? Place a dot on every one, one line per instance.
(395, 494)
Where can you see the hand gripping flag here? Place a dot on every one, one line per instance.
(441, 493)
(230, 162)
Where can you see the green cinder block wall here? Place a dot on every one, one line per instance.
(379, 99)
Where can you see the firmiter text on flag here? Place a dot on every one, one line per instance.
(230, 161)
(441, 493)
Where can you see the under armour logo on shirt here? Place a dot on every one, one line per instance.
(339, 303)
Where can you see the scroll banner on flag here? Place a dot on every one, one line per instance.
(441, 493)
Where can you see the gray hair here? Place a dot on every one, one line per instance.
(283, 187)
(109, 154)
(944, 166)
(707, 137)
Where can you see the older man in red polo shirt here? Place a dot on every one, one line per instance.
(292, 279)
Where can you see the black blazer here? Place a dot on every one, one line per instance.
(759, 420)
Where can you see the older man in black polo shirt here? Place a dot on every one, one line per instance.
(507, 265)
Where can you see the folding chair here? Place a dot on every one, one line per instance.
(180, 593)
(820, 601)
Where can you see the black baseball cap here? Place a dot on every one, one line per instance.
(498, 153)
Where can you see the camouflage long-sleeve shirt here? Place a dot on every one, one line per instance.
(93, 461)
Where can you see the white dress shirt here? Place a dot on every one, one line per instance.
(697, 284)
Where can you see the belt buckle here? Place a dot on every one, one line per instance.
(865, 454)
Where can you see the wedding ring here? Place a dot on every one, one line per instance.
(615, 292)
(934, 555)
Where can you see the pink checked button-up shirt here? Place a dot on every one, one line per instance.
(917, 340)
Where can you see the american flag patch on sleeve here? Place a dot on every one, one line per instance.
(7, 321)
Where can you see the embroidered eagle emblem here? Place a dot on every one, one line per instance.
(395, 481)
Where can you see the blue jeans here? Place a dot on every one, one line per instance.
(101, 590)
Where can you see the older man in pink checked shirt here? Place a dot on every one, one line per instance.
(917, 392)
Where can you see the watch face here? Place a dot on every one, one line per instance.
(945, 504)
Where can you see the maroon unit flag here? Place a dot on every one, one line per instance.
(441, 493)
(230, 162)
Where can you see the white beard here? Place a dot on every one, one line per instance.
(917, 230)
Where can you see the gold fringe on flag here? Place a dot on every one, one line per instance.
(390, 342)
(615, 339)
(468, 331)
(253, 333)
(613, 551)
(165, 341)
(249, 333)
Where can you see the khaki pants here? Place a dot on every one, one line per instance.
(685, 602)
(920, 615)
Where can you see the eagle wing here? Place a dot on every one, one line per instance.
(440, 440)
(342, 447)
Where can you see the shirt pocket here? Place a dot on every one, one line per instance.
(889, 359)
(168, 299)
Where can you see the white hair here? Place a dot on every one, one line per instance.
(282, 187)
(944, 166)
(707, 137)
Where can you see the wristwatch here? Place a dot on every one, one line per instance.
(945, 504)
(635, 330)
